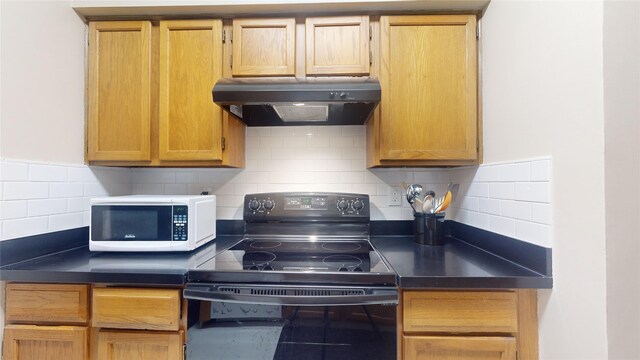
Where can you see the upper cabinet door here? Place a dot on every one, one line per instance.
(428, 75)
(190, 64)
(264, 47)
(119, 90)
(337, 45)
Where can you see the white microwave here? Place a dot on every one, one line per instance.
(152, 222)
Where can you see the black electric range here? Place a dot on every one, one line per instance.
(294, 241)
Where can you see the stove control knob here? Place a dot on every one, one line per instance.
(254, 205)
(358, 205)
(267, 267)
(343, 205)
(269, 205)
(253, 267)
(357, 269)
(343, 269)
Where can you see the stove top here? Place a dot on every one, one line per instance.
(308, 238)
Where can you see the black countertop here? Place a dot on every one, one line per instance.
(80, 265)
(482, 260)
(457, 264)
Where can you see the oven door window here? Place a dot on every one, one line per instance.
(131, 223)
(274, 332)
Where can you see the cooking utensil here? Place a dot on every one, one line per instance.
(444, 204)
(427, 203)
(454, 191)
(413, 191)
(417, 204)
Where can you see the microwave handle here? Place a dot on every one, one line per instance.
(283, 295)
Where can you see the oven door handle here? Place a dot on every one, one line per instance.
(292, 295)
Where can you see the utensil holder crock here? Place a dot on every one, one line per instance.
(428, 229)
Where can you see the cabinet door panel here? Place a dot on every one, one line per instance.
(190, 64)
(454, 348)
(125, 308)
(139, 345)
(264, 47)
(46, 303)
(29, 342)
(428, 80)
(119, 90)
(337, 45)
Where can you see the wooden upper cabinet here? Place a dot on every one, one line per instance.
(190, 64)
(264, 47)
(119, 90)
(337, 45)
(428, 75)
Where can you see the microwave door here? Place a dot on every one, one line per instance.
(131, 223)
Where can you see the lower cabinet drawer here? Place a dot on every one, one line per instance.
(459, 347)
(129, 308)
(46, 303)
(138, 345)
(30, 342)
(460, 311)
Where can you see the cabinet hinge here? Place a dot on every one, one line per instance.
(370, 57)
(223, 143)
(224, 36)
(477, 32)
(370, 32)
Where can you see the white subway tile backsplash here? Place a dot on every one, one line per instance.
(479, 220)
(330, 131)
(66, 221)
(39, 172)
(541, 170)
(147, 189)
(425, 177)
(478, 190)
(533, 191)
(506, 191)
(342, 142)
(24, 227)
(78, 204)
(328, 153)
(539, 234)
(353, 130)
(295, 142)
(12, 171)
(47, 207)
(66, 190)
(318, 141)
(97, 189)
(175, 189)
(541, 213)
(469, 203)
(352, 177)
(489, 206)
(488, 173)
(353, 153)
(502, 225)
(80, 174)
(25, 190)
(13, 209)
(271, 142)
(515, 172)
(516, 209)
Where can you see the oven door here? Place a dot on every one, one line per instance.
(243, 321)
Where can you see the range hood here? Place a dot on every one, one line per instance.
(271, 102)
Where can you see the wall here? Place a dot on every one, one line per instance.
(543, 95)
(42, 74)
(622, 175)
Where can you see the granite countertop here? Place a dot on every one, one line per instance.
(482, 260)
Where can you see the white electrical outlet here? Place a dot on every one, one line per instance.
(395, 196)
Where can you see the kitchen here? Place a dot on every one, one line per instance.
(544, 66)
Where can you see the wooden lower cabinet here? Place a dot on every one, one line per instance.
(468, 324)
(31, 342)
(138, 345)
(459, 347)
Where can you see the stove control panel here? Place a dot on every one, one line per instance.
(344, 207)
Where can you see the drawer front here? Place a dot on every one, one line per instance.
(146, 309)
(46, 303)
(139, 345)
(459, 347)
(460, 311)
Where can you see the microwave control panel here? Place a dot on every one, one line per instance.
(180, 223)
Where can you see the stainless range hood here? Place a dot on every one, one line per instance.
(270, 102)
